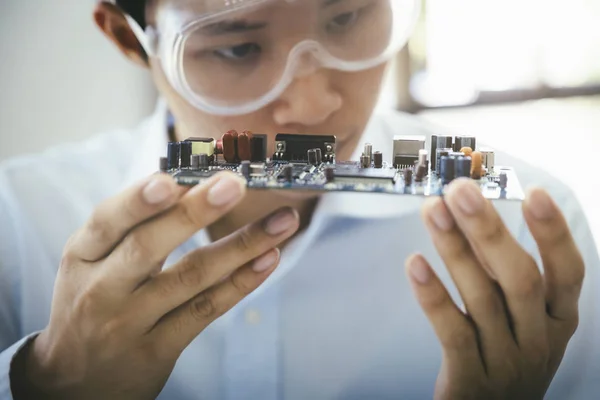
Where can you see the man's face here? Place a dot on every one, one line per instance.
(318, 100)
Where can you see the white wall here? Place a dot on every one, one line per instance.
(60, 79)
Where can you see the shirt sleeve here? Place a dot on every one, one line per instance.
(577, 376)
(11, 340)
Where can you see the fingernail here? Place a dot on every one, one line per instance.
(470, 199)
(227, 190)
(541, 205)
(157, 191)
(441, 217)
(280, 222)
(419, 270)
(265, 261)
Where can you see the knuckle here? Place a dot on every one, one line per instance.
(244, 240)
(191, 271)
(135, 248)
(459, 338)
(494, 232)
(529, 287)
(203, 308)
(242, 285)
(189, 215)
(98, 228)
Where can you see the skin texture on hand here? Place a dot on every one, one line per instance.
(518, 322)
(119, 321)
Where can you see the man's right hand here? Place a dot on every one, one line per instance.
(119, 322)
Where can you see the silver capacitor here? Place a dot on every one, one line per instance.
(488, 158)
(368, 151)
(364, 161)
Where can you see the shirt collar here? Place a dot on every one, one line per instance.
(152, 138)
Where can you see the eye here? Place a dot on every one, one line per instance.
(240, 52)
(343, 21)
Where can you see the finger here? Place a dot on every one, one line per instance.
(478, 291)
(563, 264)
(178, 328)
(207, 266)
(113, 218)
(144, 248)
(515, 269)
(454, 331)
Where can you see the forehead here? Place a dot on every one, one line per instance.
(217, 7)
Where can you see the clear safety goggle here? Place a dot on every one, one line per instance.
(232, 57)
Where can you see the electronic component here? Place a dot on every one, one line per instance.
(463, 167)
(368, 151)
(364, 161)
(244, 147)
(229, 141)
(245, 169)
(315, 167)
(439, 142)
(488, 158)
(464, 141)
(378, 159)
(173, 155)
(258, 148)
(294, 148)
(476, 165)
(467, 151)
(439, 153)
(447, 169)
(406, 150)
(185, 154)
(163, 164)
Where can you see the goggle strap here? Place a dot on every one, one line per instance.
(146, 39)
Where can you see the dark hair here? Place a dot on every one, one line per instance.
(136, 9)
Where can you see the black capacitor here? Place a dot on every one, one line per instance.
(378, 159)
(195, 161)
(173, 155)
(245, 169)
(319, 156)
(408, 176)
(163, 164)
(447, 169)
(463, 167)
(503, 180)
(203, 160)
(312, 156)
(288, 173)
(185, 152)
(329, 174)
(438, 142)
(421, 172)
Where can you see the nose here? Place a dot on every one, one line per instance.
(308, 101)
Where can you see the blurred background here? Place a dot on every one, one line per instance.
(523, 75)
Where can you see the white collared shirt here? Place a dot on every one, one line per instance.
(336, 320)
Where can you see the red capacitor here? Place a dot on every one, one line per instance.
(219, 146)
(244, 148)
(229, 146)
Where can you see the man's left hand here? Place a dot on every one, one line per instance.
(517, 322)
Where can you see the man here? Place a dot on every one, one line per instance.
(88, 229)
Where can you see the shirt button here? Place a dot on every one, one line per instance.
(253, 317)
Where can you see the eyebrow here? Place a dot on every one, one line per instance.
(327, 3)
(233, 26)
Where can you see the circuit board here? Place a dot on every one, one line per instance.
(308, 162)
